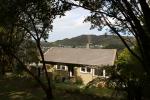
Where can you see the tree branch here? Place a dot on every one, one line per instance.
(33, 24)
(116, 32)
(26, 29)
(136, 35)
(96, 11)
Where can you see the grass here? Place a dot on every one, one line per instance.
(19, 89)
(75, 88)
(14, 88)
(84, 93)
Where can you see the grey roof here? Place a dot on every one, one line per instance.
(81, 56)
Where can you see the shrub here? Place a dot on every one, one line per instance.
(79, 80)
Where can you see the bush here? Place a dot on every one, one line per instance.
(79, 80)
(97, 82)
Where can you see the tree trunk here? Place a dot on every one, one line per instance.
(49, 93)
(3, 70)
(2, 66)
(145, 41)
(49, 89)
(39, 73)
(134, 90)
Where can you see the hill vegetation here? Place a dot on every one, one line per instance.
(101, 41)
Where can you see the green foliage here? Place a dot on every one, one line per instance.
(98, 91)
(108, 41)
(123, 59)
(95, 82)
(122, 17)
(92, 91)
(18, 69)
(129, 74)
(17, 88)
(32, 17)
(79, 80)
(28, 51)
(6, 63)
(29, 19)
(128, 66)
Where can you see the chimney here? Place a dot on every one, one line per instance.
(88, 45)
(89, 41)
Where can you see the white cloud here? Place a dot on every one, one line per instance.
(71, 25)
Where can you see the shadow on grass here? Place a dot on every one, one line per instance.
(72, 92)
(14, 88)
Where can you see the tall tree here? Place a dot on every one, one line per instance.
(122, 17)
(33, 18)
(128, 75)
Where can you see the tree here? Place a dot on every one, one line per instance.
(5, 63)
(31, 18)
(27, 53)
(122, 17)
(8, 43)
(129, 75)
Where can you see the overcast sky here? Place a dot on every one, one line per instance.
(71, 25)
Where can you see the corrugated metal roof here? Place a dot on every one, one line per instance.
(81, 56)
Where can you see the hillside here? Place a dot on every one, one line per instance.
(102, 41)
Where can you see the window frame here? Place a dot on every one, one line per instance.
(61, 67)
(86, 67)
(103, 72)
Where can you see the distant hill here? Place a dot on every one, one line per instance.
(102, 41)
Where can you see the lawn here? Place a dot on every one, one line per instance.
(19, 89)
(15, 88)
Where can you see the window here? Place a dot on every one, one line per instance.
(85, 70)
(88, 69)
(58, 67)
(82, 69)
(61, 67)
(98, 72)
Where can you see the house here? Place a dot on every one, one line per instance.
(83, 62)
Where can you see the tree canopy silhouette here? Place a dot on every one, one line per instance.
(29, 18)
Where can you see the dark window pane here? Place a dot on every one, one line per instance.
(88, 69)
(107, 73)
(83, 69)
(98, 72)
(63, 67)
(58, 66)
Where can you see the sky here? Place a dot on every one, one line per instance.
(71, 25)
